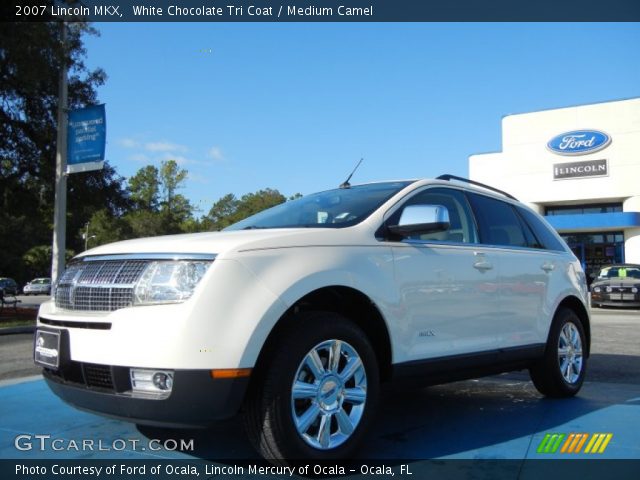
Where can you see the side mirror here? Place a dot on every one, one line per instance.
(421, 219)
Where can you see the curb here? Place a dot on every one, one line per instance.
(16, 330)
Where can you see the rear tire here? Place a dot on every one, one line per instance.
(560, 373)
(317, 392)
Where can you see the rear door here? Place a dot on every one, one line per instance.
(524, 274)
(555, 261)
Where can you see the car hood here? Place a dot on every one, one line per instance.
(228, 242)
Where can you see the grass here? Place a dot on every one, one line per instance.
(20, 317)
(16, 322)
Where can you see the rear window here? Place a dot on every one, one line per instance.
(545, 236)
(498, 222)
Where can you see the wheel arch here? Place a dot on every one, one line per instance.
(573, 303)
(346, 301)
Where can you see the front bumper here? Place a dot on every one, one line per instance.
(609, 300)
(196, 400)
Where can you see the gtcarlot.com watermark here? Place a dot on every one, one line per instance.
(42, 442)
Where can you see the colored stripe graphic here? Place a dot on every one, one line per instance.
(598, 443)
(543, 443)
(574, 443)
(551, 442)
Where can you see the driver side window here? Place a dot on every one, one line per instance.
(462, 227)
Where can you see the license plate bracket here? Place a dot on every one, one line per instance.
(46, 349)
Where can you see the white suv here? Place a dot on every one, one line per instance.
(295, 315)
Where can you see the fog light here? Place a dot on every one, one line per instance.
(151, 381)
(162, 381)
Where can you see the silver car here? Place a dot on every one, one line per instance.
(38, 286)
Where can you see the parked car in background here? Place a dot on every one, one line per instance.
(38, 286)
(617, 286)
(8, 286)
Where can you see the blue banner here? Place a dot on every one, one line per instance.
(86, 139)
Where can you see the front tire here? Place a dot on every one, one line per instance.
(316, 393)
(560, 373)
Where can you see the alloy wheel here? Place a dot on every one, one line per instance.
(570, 353)
(328, 394)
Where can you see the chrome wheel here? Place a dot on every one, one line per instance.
(328, 394)
(570, 353)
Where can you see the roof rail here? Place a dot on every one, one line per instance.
(449, 177)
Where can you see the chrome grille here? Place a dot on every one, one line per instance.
(99, 286)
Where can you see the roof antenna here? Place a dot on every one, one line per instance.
(346, 183)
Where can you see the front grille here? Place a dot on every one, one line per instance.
(93, 376)
(98, 376)
(623, 295)
(99, 286)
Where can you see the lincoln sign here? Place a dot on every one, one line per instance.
(592, 168)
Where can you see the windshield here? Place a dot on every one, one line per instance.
(338, 208)
(620, 272)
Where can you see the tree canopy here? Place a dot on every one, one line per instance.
(230, 210)
(101, 203)
(30, 60)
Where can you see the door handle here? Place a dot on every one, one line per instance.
(481, 262)
(483, 265)
(548, 267)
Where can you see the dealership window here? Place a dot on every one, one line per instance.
(584, 209)
(596, 250)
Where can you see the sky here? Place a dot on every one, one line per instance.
(293, 107)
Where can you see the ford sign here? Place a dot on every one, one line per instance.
(579, 142)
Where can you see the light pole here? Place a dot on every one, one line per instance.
(86, 236)
(60, 205)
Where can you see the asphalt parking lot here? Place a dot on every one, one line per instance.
(500, 417)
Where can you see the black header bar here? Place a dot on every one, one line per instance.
(322, 10)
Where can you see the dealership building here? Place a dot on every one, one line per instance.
(580, 168)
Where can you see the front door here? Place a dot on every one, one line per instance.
(448, 284)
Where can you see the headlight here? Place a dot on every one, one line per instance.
(168, 281)
(609, 289)
(634, 290)
(596, 289)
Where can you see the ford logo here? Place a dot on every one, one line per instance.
(579, 142)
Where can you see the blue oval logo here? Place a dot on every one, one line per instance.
(579, 142)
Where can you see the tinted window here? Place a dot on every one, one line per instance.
(462, 228)
(530, 238)
(541, 231)
(584, 209)
(498, 222)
